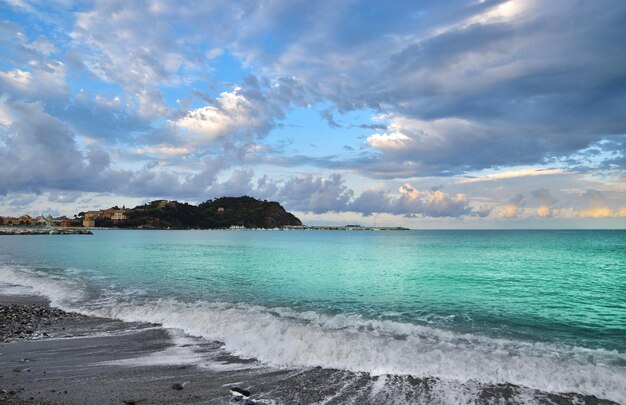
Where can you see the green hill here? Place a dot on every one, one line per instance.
(222, 212)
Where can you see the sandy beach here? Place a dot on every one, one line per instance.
(49, 356)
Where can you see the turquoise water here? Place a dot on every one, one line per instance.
(544, 309)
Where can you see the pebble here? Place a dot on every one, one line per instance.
(236, 391)
(19, 321)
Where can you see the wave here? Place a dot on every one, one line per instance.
(283, 337)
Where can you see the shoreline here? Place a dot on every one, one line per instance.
(27, 231)
(50, 356)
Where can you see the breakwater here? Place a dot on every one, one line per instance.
(44, 231)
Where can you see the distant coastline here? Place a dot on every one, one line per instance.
(33, 230)
(222, 213)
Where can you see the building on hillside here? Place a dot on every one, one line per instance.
(220, 209)
(64, 222)
(92, 214)
(40, 220)
(119, 215)
(25, 220)
(89, 222)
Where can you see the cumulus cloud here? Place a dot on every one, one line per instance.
(389, 141)
(596, 205)
(40, 80)
(319, 195)
(38, 153)
(239, 118)
(514, 208)
(431, 203)
(546, 203)
(315, 194)
(232, 113)
(432, 146)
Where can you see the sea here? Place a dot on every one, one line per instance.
(543, 309)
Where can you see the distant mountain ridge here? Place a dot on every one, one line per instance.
(224, 212)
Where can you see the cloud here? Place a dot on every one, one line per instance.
(64, 198)
(163, 150)
(431, 203)
(47, 81)
(328, 116)
(506, 175)
(315, 194)
(596, 205)
(474, 87)
(322, 195)
(134, 46)
(39, 150)
(16, 78)
(413, 147)
(179, 100)
(237, 120)
(514, 208)
(546, 203)
(389, 141)
(233, 113)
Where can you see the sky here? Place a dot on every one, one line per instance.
(425, 114)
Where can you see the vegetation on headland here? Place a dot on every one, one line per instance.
(224, 212)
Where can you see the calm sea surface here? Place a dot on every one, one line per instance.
(543, 309)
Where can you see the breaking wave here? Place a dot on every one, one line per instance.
(286, 338)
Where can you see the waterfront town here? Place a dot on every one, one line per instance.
(83, 219)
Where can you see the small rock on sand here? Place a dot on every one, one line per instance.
(239, 392)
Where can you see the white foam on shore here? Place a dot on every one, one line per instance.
(59, 290)
(352, 343)
(185, 351)
(286, 338)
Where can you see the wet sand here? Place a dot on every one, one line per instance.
(48, 356)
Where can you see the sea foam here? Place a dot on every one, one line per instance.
(283, 337)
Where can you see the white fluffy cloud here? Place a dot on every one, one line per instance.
(232, 113)
(389, 141)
